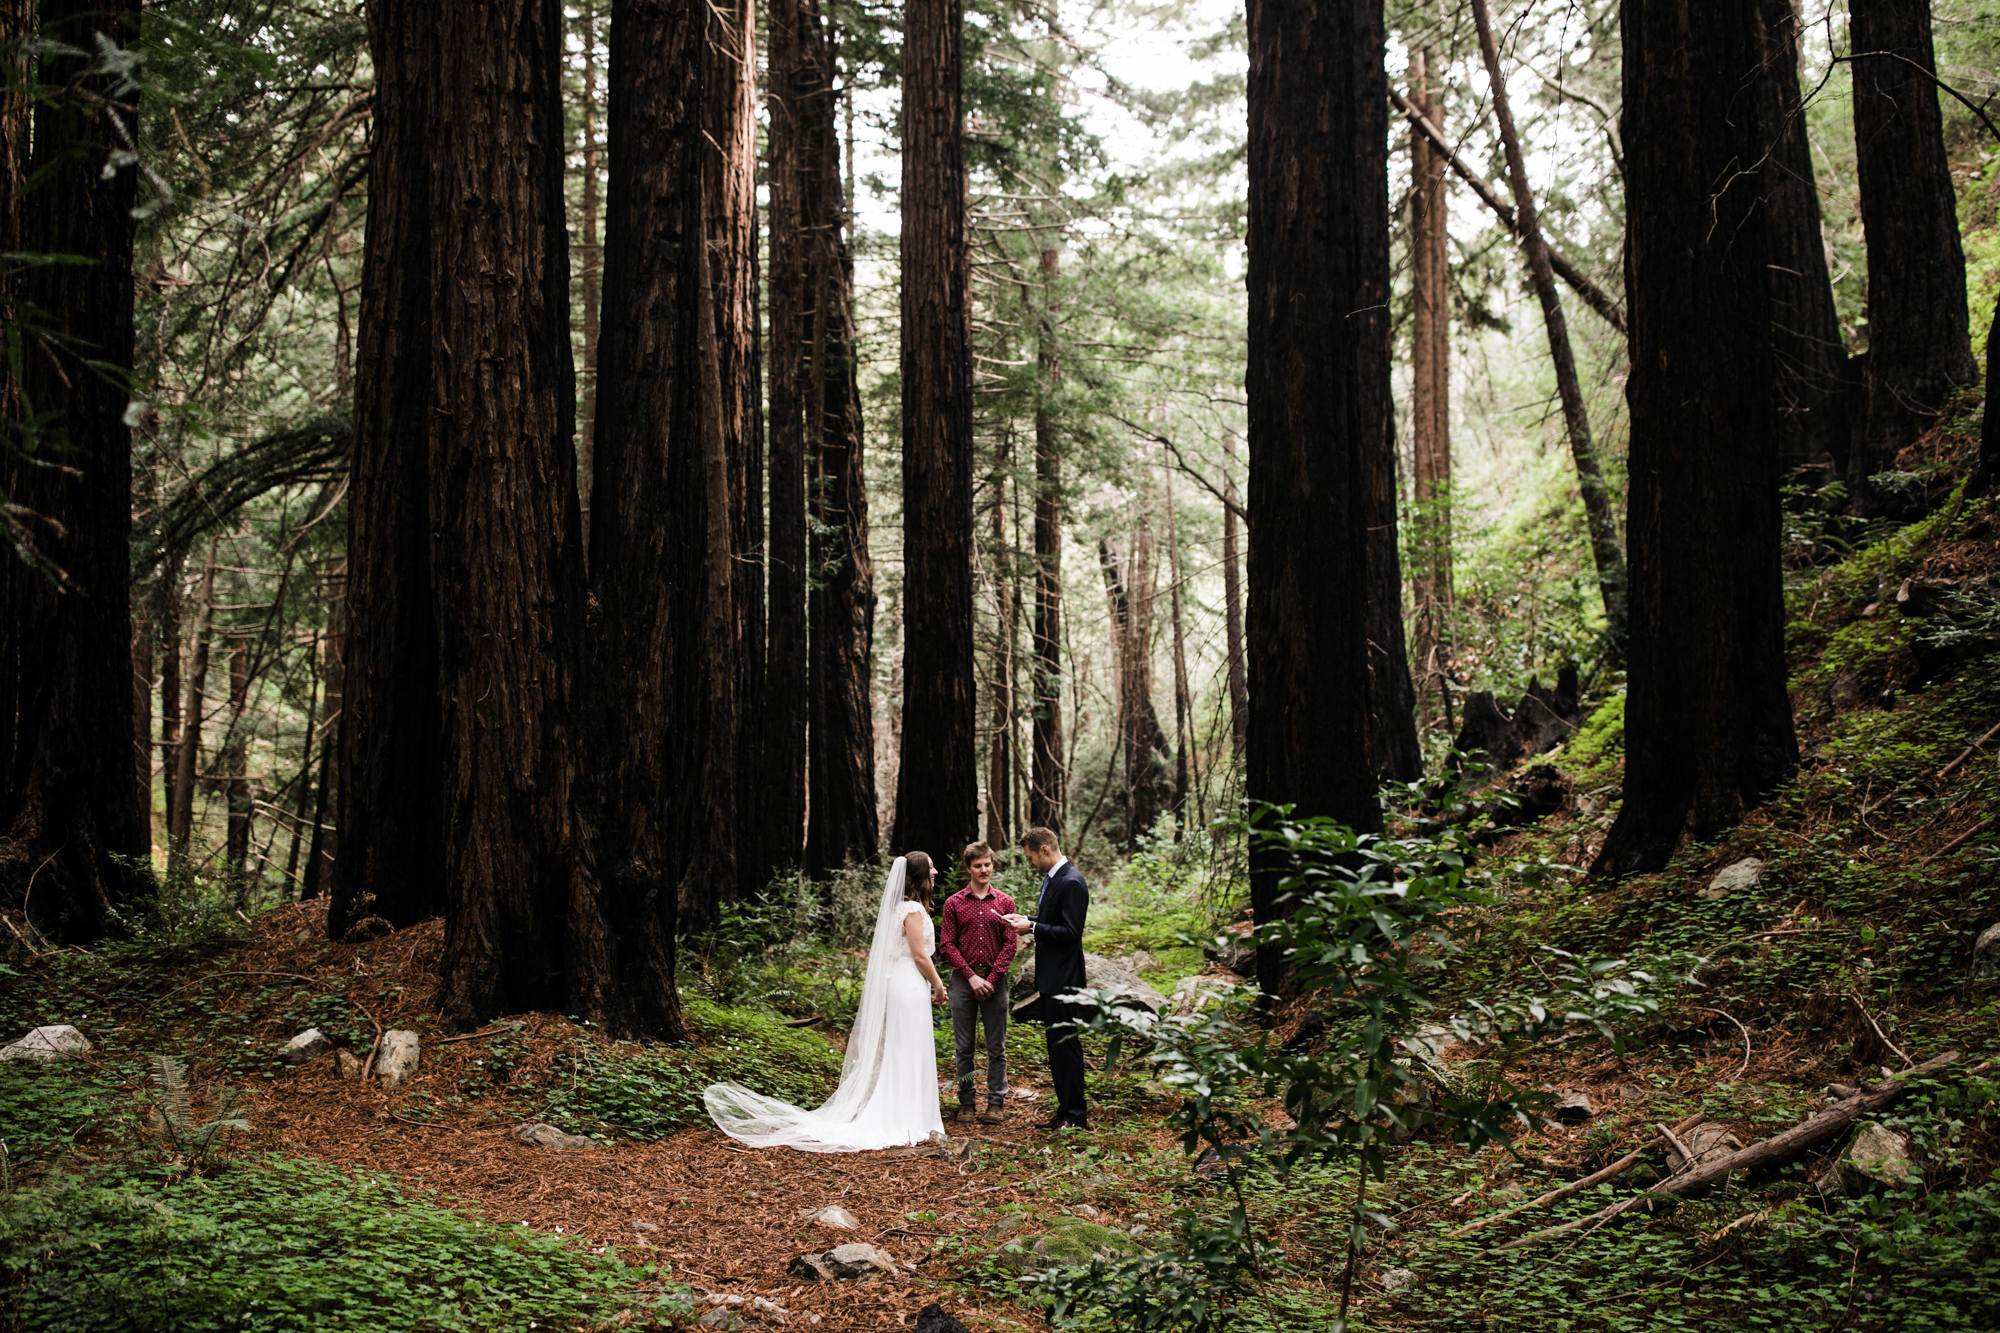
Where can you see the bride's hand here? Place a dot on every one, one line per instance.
(938, 995)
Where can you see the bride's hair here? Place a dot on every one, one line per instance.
(918, 875)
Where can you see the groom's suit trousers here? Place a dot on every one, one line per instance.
(1065, 1058)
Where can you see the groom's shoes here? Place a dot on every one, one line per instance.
(1063, 1122)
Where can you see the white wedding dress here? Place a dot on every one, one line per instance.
(888, 1093)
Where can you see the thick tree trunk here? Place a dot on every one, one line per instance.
(592, 276)
(1048, 790)
(1708, 724)
(17, 19)
(1430, 400)
(1989, 438)
(1232, 610)
(1130, 588)
(187, 755)
(389, 815)
(522, 925)
(937, 780)
(236, 762)
(782, 781)
(1919, 346)
(1805, 327)
(1319, 411)
(842, 823)
(1604, 545)
(67, 804)
(729, 186)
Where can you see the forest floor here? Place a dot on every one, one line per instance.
(342, 1205)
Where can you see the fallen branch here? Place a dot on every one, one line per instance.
(1959, 841)
(1674, 1142)
(1597, 1177)
(1862, 1009)
(214, 976)
(805, 1022)
(1778, 1148)
(475, 1036)
(1744, 1067)
(424, 1124)
(1945, 772)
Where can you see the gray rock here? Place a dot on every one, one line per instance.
(833, 1215)
(539, 1135)
(48, 1043)
(1573, 1108)
(1745, 874)
(1986, 953)
(396, 1060)
(1395, 1279)
(1101, 973)
(1631, 1092)
(645, 1226)
(858, 1259)
(1086, 1212)
(721, 1317)
(349, 1065)
(1006, 1225)
(1878, 1157)
(308, 1046)
(810, 1268)
(1193, 992)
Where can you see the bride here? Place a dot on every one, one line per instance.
(888, 1093)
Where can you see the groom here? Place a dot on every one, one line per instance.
(1058, 928)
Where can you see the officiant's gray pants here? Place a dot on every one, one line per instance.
(967, 1012)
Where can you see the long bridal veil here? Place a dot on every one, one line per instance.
(855, 1118)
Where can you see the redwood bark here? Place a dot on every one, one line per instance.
(1708, 723)
(323, 854)
(236, 762)
(1604, 546)
(1919, 344)
(388, 813)
(1184, 773)
(842, 824)
(142, 718)
(67, 803)
(1232, 609)
(591, 279)
(1129, 586)
(522, 926)
(1048, 790)
(1430, 399)
(937, 781)
(1000, 678)
(170, 686)
(187, 755)
(1319, 411)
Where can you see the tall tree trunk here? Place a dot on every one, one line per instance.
(522, 924)
(1130, 591)
(842, 823)
(1319, 412)
(170, 650)
(323, 854)
(1048, 791)
(303, 784)
(1604, 546)
(236, 761)
(1708, 724)
(390, 856)
(592, 277)
(1000, 682)
(17, 19)
(1919, 345)
(1805, 327)
(67, 803)
(782, 782)
(1183, 705)
(1232, 609)
(1430, 398)
(187, 755)
(937, 780)
(142, 718)
(729, 185)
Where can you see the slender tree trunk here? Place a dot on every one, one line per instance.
(1604, 545)
(1232, 609)
(1319, 411)
(1805, 327)
(842, 823)
(729, 185)
(187, 756)
(937, 780)
(1000, 682)
(1919, 345)
(236, 761)
(142, 718)
(1708, 724)
(303, 784)
(170, 689)
(593, 255)
(523, 928)
(782, 782)
(1183, 705)
(66, 798)
(1048, 792)
(323, 855)
(1130, 590)
(390, 860)
(1430, 398)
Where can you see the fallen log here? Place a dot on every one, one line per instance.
(1766, 1152)
(1597, 1177)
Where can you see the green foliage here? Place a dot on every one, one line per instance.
(292, 1245)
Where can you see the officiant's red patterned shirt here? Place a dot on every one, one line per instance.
(974, 940)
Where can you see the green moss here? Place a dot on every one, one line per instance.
(1594, 755)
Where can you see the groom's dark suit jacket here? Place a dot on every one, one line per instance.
(1059, 932)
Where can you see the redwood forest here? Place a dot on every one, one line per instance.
(1373, 624)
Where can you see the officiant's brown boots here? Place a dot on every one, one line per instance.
(993, 1115)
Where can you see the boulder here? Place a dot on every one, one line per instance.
(1192, 993)
(858, 1259)
(1069, 1242)
(396, 1060)
(1877, 1158)
(1745, 874)
(933, 1319)
(308, 1046)
(48, 1043)
(833, 1215)
(1118, 975)
(349, 1065)
(1986, 953)
(539, 1135)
